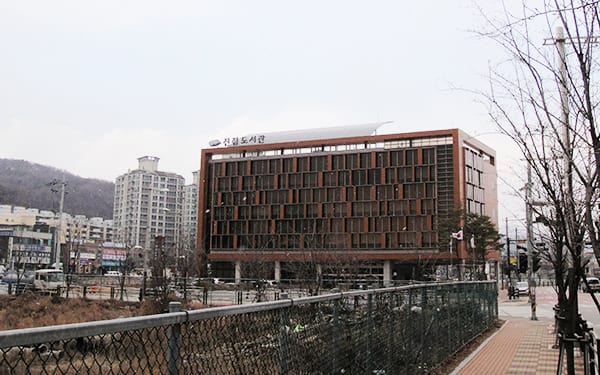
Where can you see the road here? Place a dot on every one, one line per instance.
(546, 299)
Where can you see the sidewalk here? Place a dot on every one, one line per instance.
(521, 346)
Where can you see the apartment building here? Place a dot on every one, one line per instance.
(80, 228)
(189, 224)
(148, 203)
(333, 195)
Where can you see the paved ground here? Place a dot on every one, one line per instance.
(522, 346)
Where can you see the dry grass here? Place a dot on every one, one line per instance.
(31, 310)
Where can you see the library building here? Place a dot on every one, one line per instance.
(341, 203)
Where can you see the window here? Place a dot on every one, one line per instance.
(310, 179)
(318, 163)
(312, 210)
(320, 195)
(351, 162)
(293, 211)
(363, 193)
(243, 212)
(382, 159)
(337, 225)
(411, 157)
(428, 156)
(303, 164)
(223, 183)
(281, 181)
(343, 178)
(294, 181)
(390, 176)
(288, 165)
(274, 166)
(385, 192)
(241, 167)
(258, 167)
(338, 162)
(264, 182)
(305, 195)
(405, 174)
(231, 168)
(396, 158)
(422, 174)
(411, 191)
(374, 176)
(334, 195)
(365, 161)
(248, 183)
(359, 177)
(329, 179)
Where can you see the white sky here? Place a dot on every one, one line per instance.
(89, 87)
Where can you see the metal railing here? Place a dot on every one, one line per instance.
(399, 330)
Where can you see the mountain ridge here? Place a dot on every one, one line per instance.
(31, 185)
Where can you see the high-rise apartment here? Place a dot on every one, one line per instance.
(187, 253)
(340, 194)
(148, 203)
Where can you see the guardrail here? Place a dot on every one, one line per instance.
(399, 330)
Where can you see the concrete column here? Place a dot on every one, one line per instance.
(277, 275)
(387, 273)
(238, 271)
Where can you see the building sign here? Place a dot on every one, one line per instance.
(240, 141)
(31, 257)
(34, 247)
(113, 257)
(6, 232)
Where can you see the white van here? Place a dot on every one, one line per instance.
(49, 280)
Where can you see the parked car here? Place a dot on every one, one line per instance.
(28, 277)
(523, 288)
(21, 277)
(593, 283)
(113, 273)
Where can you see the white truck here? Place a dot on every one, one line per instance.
(49, 280)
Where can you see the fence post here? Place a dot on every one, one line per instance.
(173, 335)
(283, 331)
(391, 331)
(336, 333)
(369, 335)
(424, 352)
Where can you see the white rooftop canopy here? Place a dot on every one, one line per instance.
(321, 133)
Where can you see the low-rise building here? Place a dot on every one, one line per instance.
(28, 237)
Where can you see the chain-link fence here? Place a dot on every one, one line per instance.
(400, 330)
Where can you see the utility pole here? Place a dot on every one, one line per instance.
(529, 218)
(58, 230)
(508, 255)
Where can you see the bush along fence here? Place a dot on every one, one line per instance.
(399, 330)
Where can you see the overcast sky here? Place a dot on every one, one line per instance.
(89, 87)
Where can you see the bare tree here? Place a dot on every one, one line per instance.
(545, 98)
